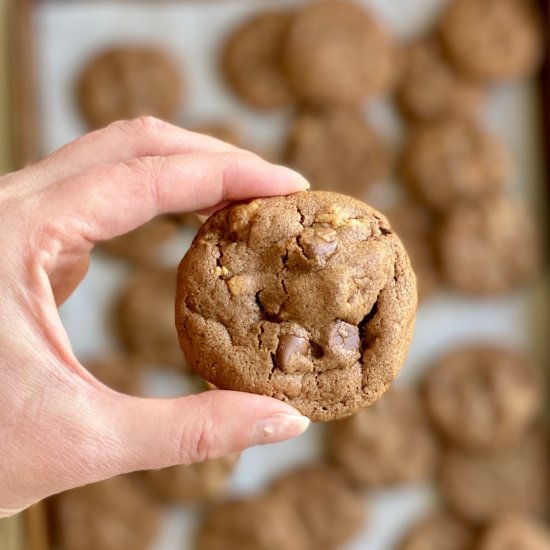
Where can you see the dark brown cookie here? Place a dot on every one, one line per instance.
(140, 245)
(516, 532)
(483, 397)
(127, 82)
(336, 52)
(337, 150)
(122, 373)
(442, 531)
(483, 485)
(309, 298)
(488, 248)
(110, 515)
(330, 511)
(198, 482)
(386, 444)
(415, 225)
(260, 523)
(430, 88)
(453, 160)
(494, 39)
(252, 57)
(145, 317)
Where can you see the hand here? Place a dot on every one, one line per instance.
(59, 427)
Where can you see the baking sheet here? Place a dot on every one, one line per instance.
(71, 32)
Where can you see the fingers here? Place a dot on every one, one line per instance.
(122, 141)
(110, 200)
(159, 433)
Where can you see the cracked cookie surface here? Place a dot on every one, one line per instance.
(308, 298)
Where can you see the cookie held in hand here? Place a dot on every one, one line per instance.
(308, 298)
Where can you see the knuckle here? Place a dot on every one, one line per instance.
(197, 442)
(144, 125)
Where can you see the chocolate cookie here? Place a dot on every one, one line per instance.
(259, 523)
(122, 373)
(110, 515)
(198, 482)
(309, 298)
(130, 81)
(483, 397)
(442, 531)
(516, 532)
(140, 245)
(416, 227)
(251, 61)
(483, 485)
(453, 160)
(328, 508)
(336, 150)
(336, 52)
(145, 317)
(430, 88)
(488, 248)
(494, 39)
(386, 444)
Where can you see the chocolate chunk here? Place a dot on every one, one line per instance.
(344, 336)
(317, 248)
(290, 345)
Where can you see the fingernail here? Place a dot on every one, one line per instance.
(278, 427)
(297, 177)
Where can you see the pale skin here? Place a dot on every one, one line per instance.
(59, 427)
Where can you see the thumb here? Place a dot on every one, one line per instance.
(155, 433)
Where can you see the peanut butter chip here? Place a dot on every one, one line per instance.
(241, 217)
(290, 345)
(344, 336)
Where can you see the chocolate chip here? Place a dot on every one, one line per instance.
(290, 345)
(318, 249)
(344, 336)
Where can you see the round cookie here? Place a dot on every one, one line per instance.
(121, 373)
(336, 150)
(415, 225)
(488, 248)
(141, 244)
(442, 531)
(259, 523)
(110, 515)
(385, 444)
(252, 57)
(483, 396)
(453, 160)
(308, 298)
(430, 88)
(145, 317)
(198, 482)
(328, 508)
(516, 532)
(483, 485)
(493, 40)
(336, 52)
(127, 82)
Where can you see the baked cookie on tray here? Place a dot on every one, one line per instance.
(252, 60)
(337, 150)
(441, 531)
(336, 52)
(516, 532)
(483, 396)
(482, 485)
(386, 444)
(129, 81)
(309, 298)
(116, 514)
(490, 247)
(494, 40)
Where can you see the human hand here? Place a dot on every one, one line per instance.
(60, 427)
